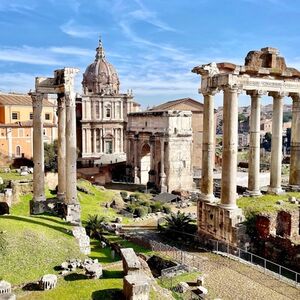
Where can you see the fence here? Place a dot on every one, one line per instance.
(265, 265)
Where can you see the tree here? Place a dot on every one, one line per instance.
(50, 156)
(179, 221)
(94, 226)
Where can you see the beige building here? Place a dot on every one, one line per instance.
(104, 112)
(16, 125)
(159, 149)
(188, 104)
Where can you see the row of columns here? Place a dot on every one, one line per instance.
(93, 140)
(230, 146)
(67, 154)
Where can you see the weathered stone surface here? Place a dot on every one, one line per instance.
(94, 270)
(48, 282)
(182, 287)
(9, 296)
(200, 280)
(83, 239)
(131, 263)
(136, 287)
(5, 287)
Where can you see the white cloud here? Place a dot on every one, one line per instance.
(16, 82)
(78, 31)
(18, 6)
(28, 55)
(72, 51)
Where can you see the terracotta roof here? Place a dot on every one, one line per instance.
(170, 104)
(20, 99)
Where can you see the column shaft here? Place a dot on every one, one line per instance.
(230, 144)
(38, 152)
(294, 179)
(276, 150)
(208, 153)
(136, 178)
(61, 147)
(254, 149)
(163, 187)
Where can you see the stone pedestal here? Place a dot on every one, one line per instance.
(48, 282)
(136, 287)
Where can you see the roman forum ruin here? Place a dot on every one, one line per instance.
(61, 84)
(264, 73)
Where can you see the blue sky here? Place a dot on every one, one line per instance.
(153, 44)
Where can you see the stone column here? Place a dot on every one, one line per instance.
(83, 141)
(38, 155)
(61, 147)
(276, 150)
(230, 145)
(294, 179)
(254, 149)
(73, 207)
(136, 145)
(208, 149)
(163, 187)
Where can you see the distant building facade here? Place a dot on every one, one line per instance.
(104, 113)
(16, 125)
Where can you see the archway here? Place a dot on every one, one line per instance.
(145, 163)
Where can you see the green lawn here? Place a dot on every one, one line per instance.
(14, 176)
(266, 203)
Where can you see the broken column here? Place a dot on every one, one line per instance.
(294, 180)
(37, 204)
(71, 201)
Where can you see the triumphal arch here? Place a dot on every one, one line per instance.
(264, 73)
(62, 84)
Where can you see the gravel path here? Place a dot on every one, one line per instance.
(229, 279)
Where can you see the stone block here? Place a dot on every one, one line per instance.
(94, 270)
(48, 282)
(136, 287)
(200, 281)
(9, 296)
(5, 287)
(131, 263)
(83, 239)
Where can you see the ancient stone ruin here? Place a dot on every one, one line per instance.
(264, 73)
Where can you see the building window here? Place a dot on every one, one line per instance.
(108, 113)
(108, 147)
(44, 132)
(18, 151)
(15, 115)
(47, 116)
(31, 116)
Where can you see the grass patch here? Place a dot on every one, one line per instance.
(266, 203)
(14, 176)
(168, 283)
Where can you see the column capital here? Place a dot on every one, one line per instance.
(295, 96)
(232, 88)
(209, 91)
(37, 98)
(278, 95)
(256, 93)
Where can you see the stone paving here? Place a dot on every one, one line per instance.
(229, 279)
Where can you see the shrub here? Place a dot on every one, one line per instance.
(131, 208)
(166, 209)
(124, 195)
(141, 211)
(156, 207)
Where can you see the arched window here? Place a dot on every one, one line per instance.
(18, 151)
(108, 113)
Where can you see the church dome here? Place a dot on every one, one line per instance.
(100, 77)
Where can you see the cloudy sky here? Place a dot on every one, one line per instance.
(153, 44)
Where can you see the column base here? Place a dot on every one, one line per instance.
(163, 189)
(61, 196)
(37, 207)
(275, 191)
(210, 198)
(228, 206)
(72, 214)
(252, 193)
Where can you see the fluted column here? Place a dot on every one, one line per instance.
(163, 187)
(230, 145)
(294, 179)
(208, 149)
(61, 147)
(276, 148)
(73, 208)
(254, 148)
(38, 155)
